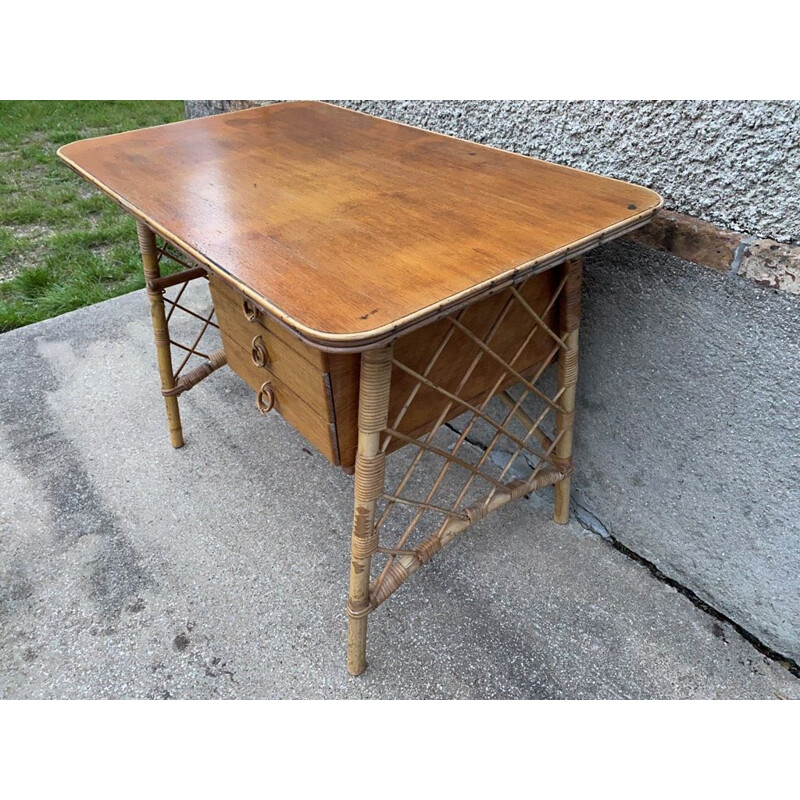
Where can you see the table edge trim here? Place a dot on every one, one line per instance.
(376, 337)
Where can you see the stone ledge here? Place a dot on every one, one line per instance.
(763, 261)
(691, 239)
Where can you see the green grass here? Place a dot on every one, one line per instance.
(62, 244)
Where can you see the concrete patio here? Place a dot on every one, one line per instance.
(131, 570)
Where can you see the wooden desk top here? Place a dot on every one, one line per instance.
(349, 228)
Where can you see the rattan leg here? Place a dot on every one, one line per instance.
(147, 245)
(569, 318)
(373, 408)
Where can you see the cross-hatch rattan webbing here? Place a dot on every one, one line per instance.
(533, 445)
(184, 380)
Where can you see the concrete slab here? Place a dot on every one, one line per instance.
(687, 441)
(128, 569)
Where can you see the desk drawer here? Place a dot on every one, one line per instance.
(243, 320)
(260, 351)
(320, 431)
(297, 366)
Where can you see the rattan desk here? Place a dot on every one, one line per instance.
(383, 288)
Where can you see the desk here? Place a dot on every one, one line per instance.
(385, 289)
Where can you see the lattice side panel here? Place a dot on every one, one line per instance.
(194, 339)
(441, 483)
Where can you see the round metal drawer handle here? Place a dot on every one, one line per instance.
(250, 311)
(265, 399)
(259, 352)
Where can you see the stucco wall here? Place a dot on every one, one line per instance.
(733, 163)
(687, 444)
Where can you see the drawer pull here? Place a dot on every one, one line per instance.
(265, 399)
(250, 311)
(259, 352)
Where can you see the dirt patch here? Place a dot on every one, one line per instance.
(34, 246)
(18, 262)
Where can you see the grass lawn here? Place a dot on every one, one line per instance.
(63, 245)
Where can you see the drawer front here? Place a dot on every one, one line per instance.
(259, 351)
(243, 320)
(295, 365)
(320, 432)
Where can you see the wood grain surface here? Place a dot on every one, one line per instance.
(348, 228)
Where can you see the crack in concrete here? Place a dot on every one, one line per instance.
(589, 522)
(496, 451)
(474, 442)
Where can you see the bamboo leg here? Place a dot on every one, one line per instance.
(147, 245)
(373, 409)
(569, 318)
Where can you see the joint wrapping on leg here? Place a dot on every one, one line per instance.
(147, 239)
(161, 335)
(396, 575)
(369, 477)
(563, 464)
(190, 379)
(568, 365)
(357, 613)
(373, 405)
(565, 420)
(571, 302)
